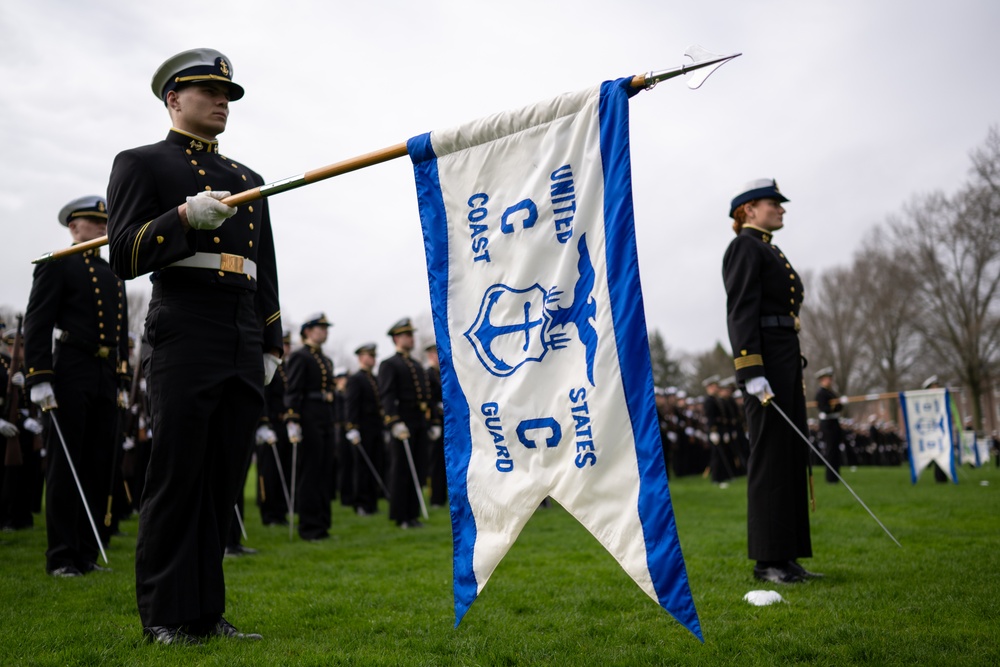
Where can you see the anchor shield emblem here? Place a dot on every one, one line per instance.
(509, 329)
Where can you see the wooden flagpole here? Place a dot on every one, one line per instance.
(701, 58)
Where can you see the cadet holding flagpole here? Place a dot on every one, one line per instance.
(212, 337)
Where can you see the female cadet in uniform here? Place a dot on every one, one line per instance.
(764, 294)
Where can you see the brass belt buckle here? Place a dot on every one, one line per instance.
(798, 323)
(231, 263)
(103, 352)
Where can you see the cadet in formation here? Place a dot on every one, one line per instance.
(406, 398)
(309, 398)
(764, 294)
(365, 430)
(81, 383)
(212, 339)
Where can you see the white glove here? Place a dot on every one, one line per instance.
(434, 433)
(17, 379)
(266, 435)
(713, 438)
(43, 396)
(353, 436)
(128, 444)
(759, 387)
(400, 431)
(206, 211)
(7, 429)
(33, 426)
(844, 400)
(294, 431)
(123, 401)
(271, 364)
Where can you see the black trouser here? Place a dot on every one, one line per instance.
(315, 470)
(439, 475)
(777, 487)
(18, 485)
(87, 415)
(405, 505)
(205, 376)
(270, 493)
(832, 437)
(366, 489)
(239, 506)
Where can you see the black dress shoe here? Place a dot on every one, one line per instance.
(803, 572)
(238, 550)
(66, 571)
(166, 634)
(225, 629)
(778, 574)
(94, 567)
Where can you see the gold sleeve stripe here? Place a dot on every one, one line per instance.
(34, 373)
(135, 249)
(273, 318)
(749, 360)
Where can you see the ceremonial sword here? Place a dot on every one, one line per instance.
(416, 480)
(769, 401)
(79, 487)
(371, 467)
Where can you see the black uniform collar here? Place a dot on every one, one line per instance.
(192, 142)
(757, 233)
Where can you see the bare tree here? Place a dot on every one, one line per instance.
(890, 348)
(833, 326)
(953, 245)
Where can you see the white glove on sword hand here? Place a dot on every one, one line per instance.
(266, 435)
(7, 429)
(44, 396)
(400, 431)
(759, 387)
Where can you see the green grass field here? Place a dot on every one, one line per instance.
(377, 595)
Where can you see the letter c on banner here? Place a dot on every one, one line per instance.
(529, 220)
(545, 423)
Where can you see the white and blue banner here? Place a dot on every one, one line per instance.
(970, 449)
(982, 451)
(930, 431)
(538, 316)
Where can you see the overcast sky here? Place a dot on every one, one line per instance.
(854, 106)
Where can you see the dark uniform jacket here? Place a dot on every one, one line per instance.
(81, 296)
(310, 381)
(145, 231)
(763, 291)
(828, 404)
(406, 392)
(364, 405)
